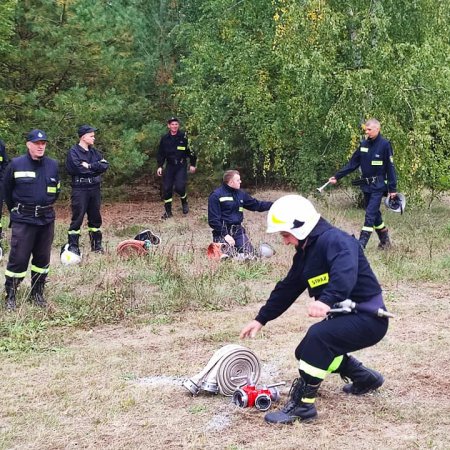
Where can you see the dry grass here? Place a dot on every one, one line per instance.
(118, 385)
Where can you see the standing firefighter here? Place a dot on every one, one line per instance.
(174, 151)
(31, 186)
(86, 166)
(332, 266)
(375, 157)
(3, 164)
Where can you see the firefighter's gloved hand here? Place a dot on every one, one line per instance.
(229, 240)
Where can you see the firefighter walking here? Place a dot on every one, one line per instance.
(375, 157)
(86, 165)
(31, 185)
(174, 152)
(332, 266)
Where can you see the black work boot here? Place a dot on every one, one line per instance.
(168, 211)
(364, 379)
(37, 289)
(383, 236)
(73, 241)
(300, 405)
(96, 241)
(364, 238)
(11, 285)
(185, 205)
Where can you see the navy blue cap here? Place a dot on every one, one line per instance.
(36, 135)
(173, 119)
(85, 129)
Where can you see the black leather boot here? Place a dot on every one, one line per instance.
(96, 241)
(364, 379)
(11, 285)
(168, 211)
(364, 238)
(73, 241)
(37, 289)
(300, 405)
(383, 236)
(185, 205)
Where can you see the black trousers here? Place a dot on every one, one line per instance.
(372, 202)
(329, 339)
(29, 240)
(241, 239)
(86, 201)
(175, 176)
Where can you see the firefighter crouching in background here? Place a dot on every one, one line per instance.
(86, 165)
(174, 151)
(31, 185)
(332, 266)
(375, 157)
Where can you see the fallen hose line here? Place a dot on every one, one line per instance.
(131, 247)
(225, 370)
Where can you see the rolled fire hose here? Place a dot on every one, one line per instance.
(225, 370)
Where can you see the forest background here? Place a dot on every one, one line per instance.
(276, 88)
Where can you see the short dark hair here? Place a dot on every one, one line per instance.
(228, 175)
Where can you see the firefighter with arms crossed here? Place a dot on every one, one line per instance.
(332, 266)
(31, 185)
(86, 165)
(375, 157)
(174, 151)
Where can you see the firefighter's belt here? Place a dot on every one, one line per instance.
(86, 180)
(367, 180)
(225, 370)
(177, 162)
(34, 210)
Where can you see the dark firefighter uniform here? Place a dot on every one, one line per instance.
(333, 267)
(375, 157)
(31, 187)
(226, 213)
(3, 164)
(86, 194)
(174, 151)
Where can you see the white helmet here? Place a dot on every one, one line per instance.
(69, 258)
(396, 204)
(294, 214)
(266, 250)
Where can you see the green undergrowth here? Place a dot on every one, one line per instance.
(176, 277)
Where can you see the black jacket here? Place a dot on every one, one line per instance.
(332, 267)
(174, 149)
(3, 159)
(375, 157)
(93, 157)
(226, 207)
(31, 182)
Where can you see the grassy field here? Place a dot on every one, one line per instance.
(103, 366)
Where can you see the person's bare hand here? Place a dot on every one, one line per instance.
(229, 240)
(250, 330)
(159, 171)
(85, 165)
(332, 180)
(192, 169)
(317, 309)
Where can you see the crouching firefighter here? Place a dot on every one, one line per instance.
(31, 186)
(86, 165)
(332, 266)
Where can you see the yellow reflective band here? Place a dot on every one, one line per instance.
(184, 196)
(319, 280)
(168, 200)
(51, 190)
(1, 158)
(313, 371)
(308, 400)
(25, 174)
(276, 220)
(94, 230)
(225, 199)
(74, 232)
(369, 229)
(335, 364)
(391, 159)
(379, 227)
(364, 149)
(181, 148)
(8, 273)
(241, 208)
(377, 163)
(58, 185)
(39, 269)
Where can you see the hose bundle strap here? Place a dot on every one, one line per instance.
(225, 370)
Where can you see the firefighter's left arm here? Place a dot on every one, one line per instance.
(8, 186)
(390, 169)
(252, 204)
